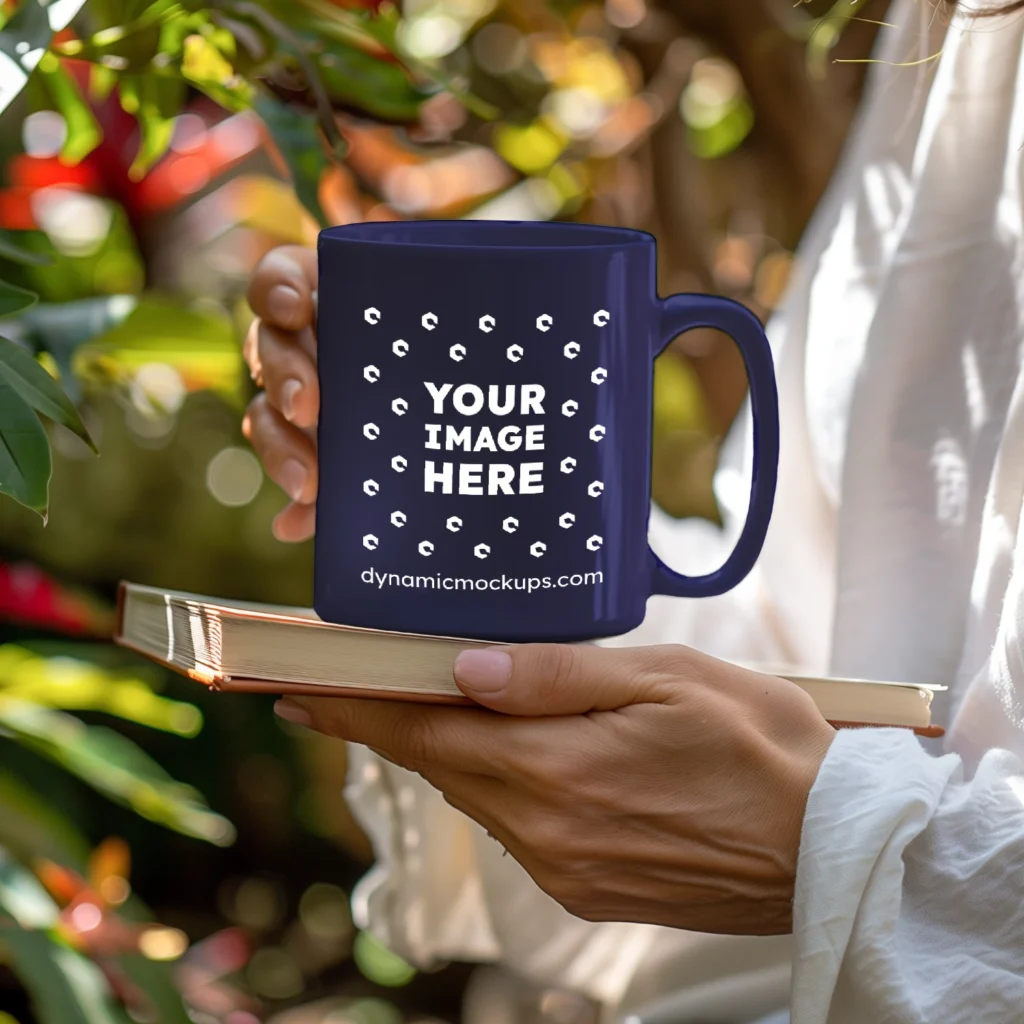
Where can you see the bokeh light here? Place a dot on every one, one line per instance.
(324, 912)
(77, 223)
(274, 974)
(86, 917)
(163, 943)
(379, 964)
(430, 36)
(256, 903)
(43, 133)
(499, 48)
(234, 476)
(157, 389)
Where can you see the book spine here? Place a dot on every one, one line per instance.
(122, 589)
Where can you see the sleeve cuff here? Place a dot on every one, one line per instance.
(876, 791)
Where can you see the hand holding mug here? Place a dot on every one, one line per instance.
(280, 350)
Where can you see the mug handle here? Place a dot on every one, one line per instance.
(681, 313)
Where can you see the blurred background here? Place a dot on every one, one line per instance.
(167, 855)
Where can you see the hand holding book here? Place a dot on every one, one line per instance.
(650, 784)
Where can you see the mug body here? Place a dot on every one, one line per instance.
(485, 428)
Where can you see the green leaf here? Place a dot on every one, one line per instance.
(22, 42)
(38, 831)
(11, 250)
(104, 261)
(297, 137)
(116, 767)
(356, 78)
(60, 13)
(201, 346)
(203, 61)
(24, 451)
(157, 981)
(206, 66)
(175, 31)
(101, 82)
(83, 131)
(66, 988)
(160, 98)
(32, 827)
(61, 328)
(326, 21)
(39, 389)
(14, 299)
(23, 897)
(73, 684)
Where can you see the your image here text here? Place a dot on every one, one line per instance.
(478, 477)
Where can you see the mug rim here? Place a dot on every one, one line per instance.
(570, 235)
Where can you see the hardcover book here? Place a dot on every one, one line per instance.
(258, 648)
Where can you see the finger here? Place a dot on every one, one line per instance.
(287, 453)
(568, 679)
(282, 286)
(288, 374)
(421, 738)
(295, 523)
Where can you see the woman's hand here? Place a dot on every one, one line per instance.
(281, 352)
(648, 784)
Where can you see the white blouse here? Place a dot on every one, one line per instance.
(895, 552)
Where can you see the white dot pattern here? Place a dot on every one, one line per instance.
(459, 352)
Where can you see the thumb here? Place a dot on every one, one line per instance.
(562, 679)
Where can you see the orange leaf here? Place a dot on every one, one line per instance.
(111, 860)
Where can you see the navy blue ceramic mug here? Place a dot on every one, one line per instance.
(485, 429)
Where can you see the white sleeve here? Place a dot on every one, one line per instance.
(443, 890)
(910, 887)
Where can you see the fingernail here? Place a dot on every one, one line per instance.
(483, 671)
(283, 304)
(289, 391)
(292, 478)
(293, 713)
